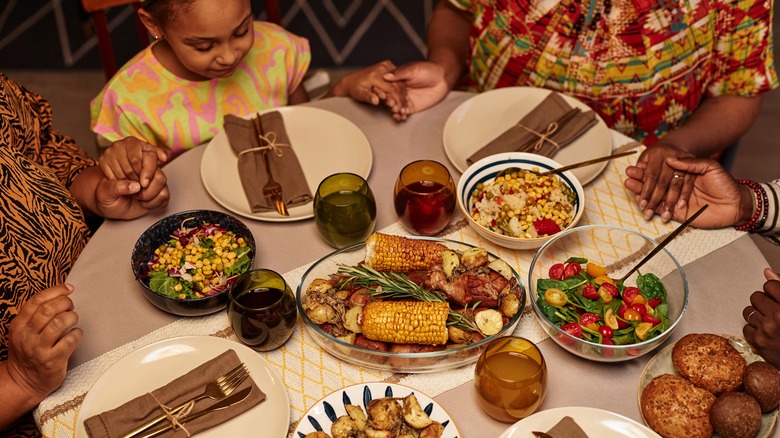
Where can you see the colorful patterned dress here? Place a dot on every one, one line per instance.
(42, 229)
(643, 65)
(147, 101)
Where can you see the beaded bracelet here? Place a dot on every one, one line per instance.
(760, 215)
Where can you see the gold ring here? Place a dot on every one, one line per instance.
(677, 176)
(749, 315)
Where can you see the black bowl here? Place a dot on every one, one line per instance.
(159, 234)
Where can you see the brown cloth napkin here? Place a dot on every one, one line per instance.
(285, 168)
(539, 120)
(123, 419)
(567, 428)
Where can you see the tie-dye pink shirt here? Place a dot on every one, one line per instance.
(147, 101)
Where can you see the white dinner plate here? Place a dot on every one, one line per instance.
(155, 365)
(326, 411)
(594, 422)
(661, 363)
(480, 119)
(324, 142)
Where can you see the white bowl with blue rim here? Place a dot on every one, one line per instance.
(485, 171)
(321, 416)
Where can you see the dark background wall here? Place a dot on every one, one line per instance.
(57, 34)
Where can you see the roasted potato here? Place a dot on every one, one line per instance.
(414, 414)
(358, 416)
(353, 319)
(434, 430)
(344, 427)
(474, 258)
(384, 413)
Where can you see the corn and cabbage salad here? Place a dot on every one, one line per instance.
(198, 261)
(523, 204)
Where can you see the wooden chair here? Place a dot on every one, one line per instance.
(97, 8)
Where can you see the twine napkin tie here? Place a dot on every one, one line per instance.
(128, 416)
(274, 145)
(546, 129)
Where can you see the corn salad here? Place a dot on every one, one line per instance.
(523, 204)
(198, 262)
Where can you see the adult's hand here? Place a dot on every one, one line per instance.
(662, 185)
(730, 203)
(41, 338)
(127, 183)
(126, 199)
(762, 316)
(425, 86)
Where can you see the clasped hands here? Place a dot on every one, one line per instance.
(674, 184)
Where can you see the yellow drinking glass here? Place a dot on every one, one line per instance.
(510, 378)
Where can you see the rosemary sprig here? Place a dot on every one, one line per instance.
(387, 284)
(397, 285)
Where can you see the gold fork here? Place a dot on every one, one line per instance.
(272, 190)
(217, 389)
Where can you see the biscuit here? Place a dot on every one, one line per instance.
(676, 408)
(709, 361)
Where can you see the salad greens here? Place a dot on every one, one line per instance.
(198, 261)
(600, 309)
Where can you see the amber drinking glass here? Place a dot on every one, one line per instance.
(344, 210)
(424, 197)
(510, 378)
(261, 309)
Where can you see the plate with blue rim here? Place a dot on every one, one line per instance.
(321, 416)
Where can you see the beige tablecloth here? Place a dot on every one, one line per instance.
(123, 322)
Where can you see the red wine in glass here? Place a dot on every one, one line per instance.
(425, 207)
(262, 316)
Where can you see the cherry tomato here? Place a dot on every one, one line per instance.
(603, 279)
(571, 270)
(595, 270)
(613, 290)
(642, 329)
(573, 329)
(639, 308)
(630, 293)
(632, 315)
(621, 310)
(589, 320)
(651, 319)
(654, 302)
(606, 331)
(607, 352)
(589, 292)
(605, 295)
(640, 299)
(555, 297)
(556, 271)
(610, 320)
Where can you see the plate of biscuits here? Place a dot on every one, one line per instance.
(708, 385)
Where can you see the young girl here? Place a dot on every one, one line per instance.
(209, 59)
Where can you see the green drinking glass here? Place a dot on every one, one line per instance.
(344, 210)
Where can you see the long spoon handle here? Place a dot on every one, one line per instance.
(663, 243)
(586, 163)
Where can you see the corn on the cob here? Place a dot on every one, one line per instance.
(386, 252)
(406, 322)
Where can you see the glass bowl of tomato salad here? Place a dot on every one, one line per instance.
(580, 298)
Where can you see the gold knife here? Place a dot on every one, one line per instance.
(225, 403)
